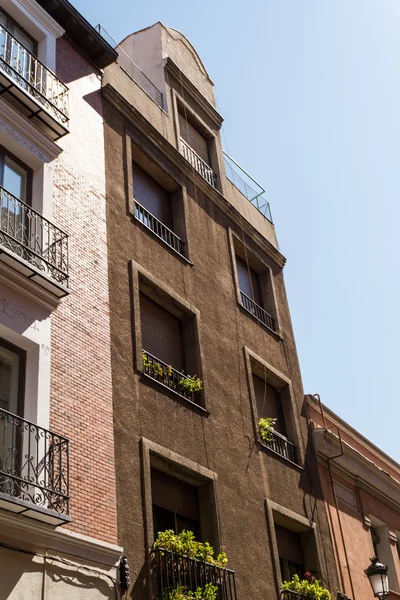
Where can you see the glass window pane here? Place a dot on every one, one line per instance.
(23, 39)
(9, 379)
(3, 19)
(15, 179)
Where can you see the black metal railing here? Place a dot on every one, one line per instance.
(33, 238)
(171, 378)
(282, 446)
(198, 163)
(177, 571)
(159, 229)
(34, 464)
(32, 76)
(290, 595)
(257, 311)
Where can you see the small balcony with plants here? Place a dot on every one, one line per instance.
(185, 569)
(34, 470)
(307, 588)
(184, 385)
(32, 88)
(275, 441)
(32, 245)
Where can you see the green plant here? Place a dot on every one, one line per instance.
(190, 384)
(308, 587)
(155, 368)
(185, 543)
(208, 592)
(265, 427)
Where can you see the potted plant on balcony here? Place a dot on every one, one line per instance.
(208, 592)
(266, 428)
(185, 544)
(308, 587)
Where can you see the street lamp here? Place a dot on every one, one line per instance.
(377, 574)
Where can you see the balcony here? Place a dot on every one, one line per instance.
(176, 571)
(32, 88)
(168, 377)
(159, 229)
(34, 470)
(257, 312)
(280, 445)
(198, 164)
(32, 245)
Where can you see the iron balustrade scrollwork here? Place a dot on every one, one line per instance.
(34, 464)
(33, 77)
(282, 446)
(198, 163)
(159, 229)
(30, 236)
(173, 570)
(167, 376)
(257, 311)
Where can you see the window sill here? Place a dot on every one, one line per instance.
(284, 458)
(181, 399)
(157, 237)
(276, 334)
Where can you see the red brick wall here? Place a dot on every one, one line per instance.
(81, 393)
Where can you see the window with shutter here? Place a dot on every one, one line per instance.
(151, 195)
(161, 333)
(249, 282)
(175, 503)
(194, 139)
(269, 403)
(290, 552)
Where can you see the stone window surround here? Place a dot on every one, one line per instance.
(178, 100)
(232, 237)
(280, 515)
(290, 411)
(137, 272)
(132, 141)
(151, 456)
(39, 24)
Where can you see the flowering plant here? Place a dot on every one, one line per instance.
(308, 587)
(185, 543)
(265, 427)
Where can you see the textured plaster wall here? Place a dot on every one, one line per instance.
(224, 441)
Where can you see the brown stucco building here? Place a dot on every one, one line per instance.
(197, 288)
(361, 487)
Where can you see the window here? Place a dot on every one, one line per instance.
(15, 177)
(193, 138)
(290, 551)
(154, 209)
(269, 403)
(12, 367)
(175, 504)
(161, 334)
(249, 282)
(17, 32)
(375, 541)
(345, 495)
(195, 147)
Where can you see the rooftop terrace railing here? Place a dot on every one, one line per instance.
(133, 70)
(246, 184)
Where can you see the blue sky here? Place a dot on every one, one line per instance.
(310, 94)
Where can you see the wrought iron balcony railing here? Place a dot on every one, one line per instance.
(198, 163)
(27, 80)
(34, 467)
(282, 446)
(257, 311)
(167, 376)
(32, 238)
(159, 229)
(174, 570)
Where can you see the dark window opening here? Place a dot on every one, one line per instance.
(256, 295)
(175, 504)
(269, 403)
(12, 376)
(249, 282)
(191, 135)
(375, 541)
(151, 195)
(291, 558)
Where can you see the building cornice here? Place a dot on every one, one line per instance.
(377, 494)
(24, 532)
(134, 117)
(192, 90)
(26, 134)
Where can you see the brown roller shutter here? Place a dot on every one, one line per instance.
(151, 195)
(248, 281)
(194, 139)
(289, 545)
(268, 403)
(174, 494)
(161, 333)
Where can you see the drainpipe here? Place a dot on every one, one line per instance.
(318, 398)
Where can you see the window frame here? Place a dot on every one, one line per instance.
(11, 23)
(3, 154)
